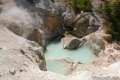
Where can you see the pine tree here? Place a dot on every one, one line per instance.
(81, 5)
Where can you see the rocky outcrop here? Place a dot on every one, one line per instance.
(80, 24)
(91, 72)
(71, 42)
(21, 59)
(24, 21)
(84, 24)
(18, 56)
(96, 42)
(40, 19)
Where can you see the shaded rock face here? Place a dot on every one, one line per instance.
(70, 42)
(84, 24)
(43, 4)
(49, 16)
(37, 17)
(79, 24)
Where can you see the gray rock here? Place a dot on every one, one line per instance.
(43, 23)
(96, 43)
(20, 46)
(79, 24)
(84, 24)
(70, 42)
(96, 72)
(19, 58)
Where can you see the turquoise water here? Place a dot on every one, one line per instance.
(55, 56)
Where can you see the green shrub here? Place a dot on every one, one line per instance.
(112, 11)
(81, 5)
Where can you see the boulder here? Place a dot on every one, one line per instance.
(71, 42)
(84, 24)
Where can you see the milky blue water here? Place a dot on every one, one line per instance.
(55, 55)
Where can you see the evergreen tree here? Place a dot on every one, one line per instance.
(81, 5)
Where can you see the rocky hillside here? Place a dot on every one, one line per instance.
(28, 26)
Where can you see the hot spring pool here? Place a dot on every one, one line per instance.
(59, 60)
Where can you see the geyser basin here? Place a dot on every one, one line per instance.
(62, 61)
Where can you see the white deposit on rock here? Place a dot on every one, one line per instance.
(18, 58)
(70, 42)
